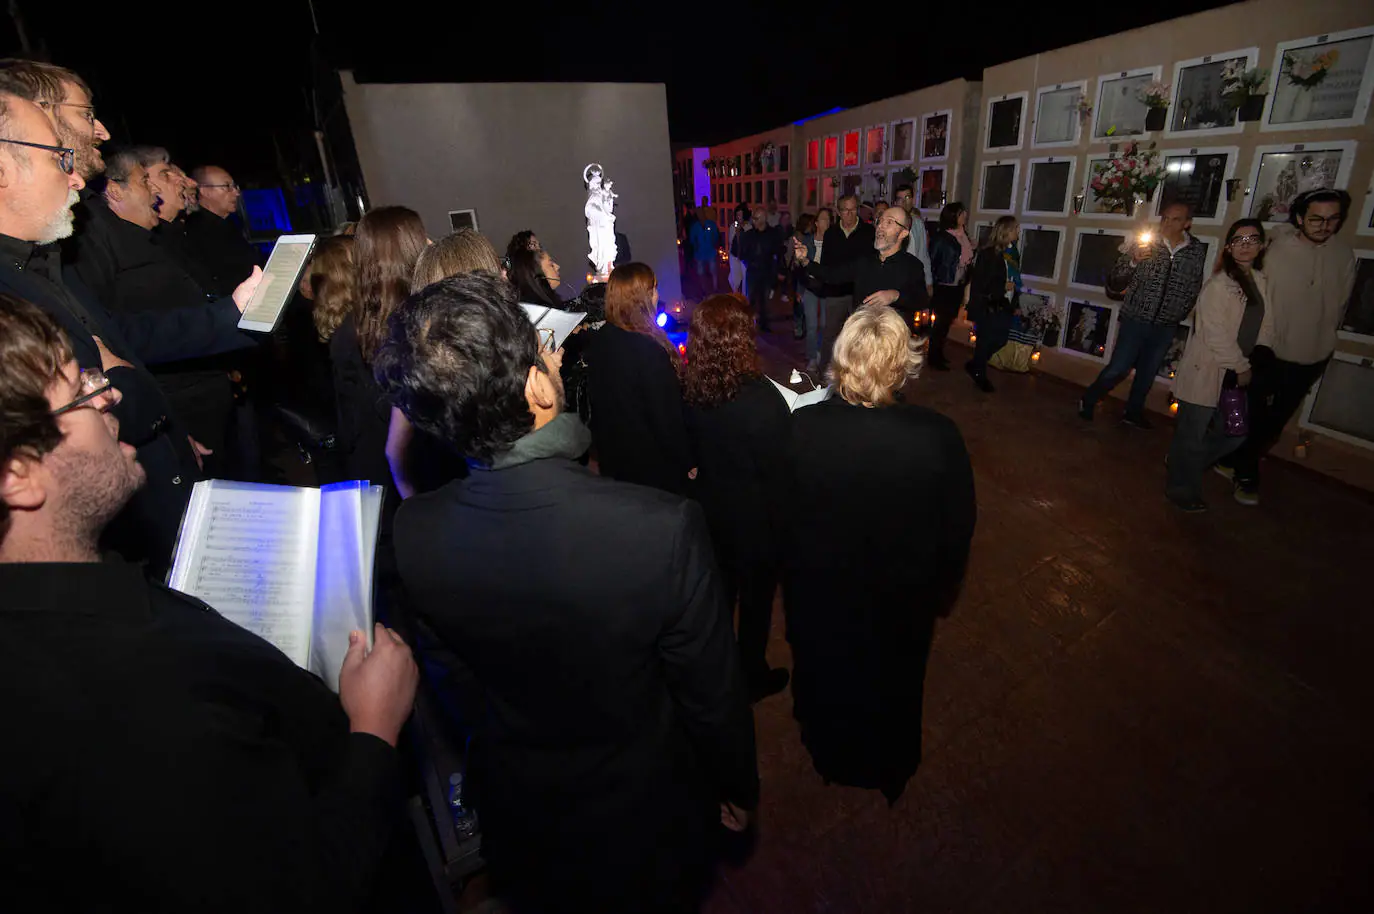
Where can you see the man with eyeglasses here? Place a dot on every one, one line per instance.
(67, 100)
(918, 242)
(1310, 274)
(217, 240)
(187, 763)
(845, 241)
(38, 188)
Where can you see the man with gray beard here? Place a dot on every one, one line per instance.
(38, 187)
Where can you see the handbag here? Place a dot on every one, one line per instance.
(1235, 412)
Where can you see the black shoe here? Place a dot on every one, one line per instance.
(765, 684)
(1085, 412)
(1137, 421)
(939, 364)
(979, 378)
(1188, 505)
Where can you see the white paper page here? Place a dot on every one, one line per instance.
(560, 323)
(811, 398)
(789, 396)
(343, 594)
(248, 550)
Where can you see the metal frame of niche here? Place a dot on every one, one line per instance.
(892, 158)
(1112, 324)
(1081, 87)
(1347, 149)
(1024, 96)
(1015, 184)
(1305, 418)
(1069, 187)
(1366, 226)
(866, 149)
(1366, 338)
(1056, 306)
(1102, 82)
(1122, 233)
(1315, 41)
(1059, 230)
(1232, 154)
(948, 114)
(1251, 56)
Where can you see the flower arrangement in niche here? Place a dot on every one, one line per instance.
(1154, 94)
(1132, 171)
(1308, 70)
(1239, 82)
(1085, 107)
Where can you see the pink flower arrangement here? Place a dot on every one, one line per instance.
(1307, 70)
(1134, 171)
(1154, 94)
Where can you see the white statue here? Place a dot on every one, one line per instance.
(600, 212)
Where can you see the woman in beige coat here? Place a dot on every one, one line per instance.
(1226, 325)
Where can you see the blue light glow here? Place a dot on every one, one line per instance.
(662, 319)
(835, 110)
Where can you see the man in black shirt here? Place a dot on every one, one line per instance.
(217, 241)
(887, 275)
(179, 762)
(760, 250)
(845, 241)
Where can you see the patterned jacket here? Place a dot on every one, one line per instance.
(1163, 287)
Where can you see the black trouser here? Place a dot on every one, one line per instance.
(753, 584)
(993, 329)
(835, 312)
(757, 282)
(1277, 388)
(945, 302)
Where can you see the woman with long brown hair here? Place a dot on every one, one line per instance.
(632, 382)
(387, 244)
(738, 426)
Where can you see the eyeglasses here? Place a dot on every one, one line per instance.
(230, 186)
(87, 111)
(66, 158)
(1246, 241)
(1316, 221)
(93, 383)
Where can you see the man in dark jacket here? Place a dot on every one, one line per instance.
(886, 275)
(1161, 278)
(616, 734)
(761, 251)
(216, 239)
(35, 211)
(187, 763)
(845, 241)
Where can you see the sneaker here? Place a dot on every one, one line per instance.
(1085, 412)
(1247, 493)
(1137, 421)
(1224, 472)
(1188, 505)
(767, 684)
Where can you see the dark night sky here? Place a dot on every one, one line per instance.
(223, 82)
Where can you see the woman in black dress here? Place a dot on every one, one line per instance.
(638, 429)
(882, 512)
(738, 425)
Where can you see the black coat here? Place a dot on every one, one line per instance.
(174, 238)
(987, 289)
(590, 614)
(760, 250)
(636, 410)
(740, 450)
(219, 245)
(172, 761)
(364, 412)
(882, 514)
(837, 249)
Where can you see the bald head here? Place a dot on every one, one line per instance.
(218, 192)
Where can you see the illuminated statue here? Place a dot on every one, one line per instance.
(600, 213)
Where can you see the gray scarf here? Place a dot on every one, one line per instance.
(564, 436)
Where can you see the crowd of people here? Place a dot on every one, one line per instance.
(568, 536)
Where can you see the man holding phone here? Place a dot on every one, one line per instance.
(1159, 274)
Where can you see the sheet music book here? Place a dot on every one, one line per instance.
(796, 401)
(291, 564)
(560, 323)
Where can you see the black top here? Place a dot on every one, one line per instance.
(173, 761)
(869, 273)
(589, 612)
(364, 412)
(760, 250)
(740, 450)
(174, 238)
(988, 284)
(636, 410)
(218, 244)
(837, 250)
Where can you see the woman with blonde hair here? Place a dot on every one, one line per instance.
(991, 299)
(465, 251)
(632, 382)
(882, 513)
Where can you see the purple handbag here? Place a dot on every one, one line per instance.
(1235, 412)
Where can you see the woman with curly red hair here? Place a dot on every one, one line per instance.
(739, 430)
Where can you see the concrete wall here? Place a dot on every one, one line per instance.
(515, 153)
(1259, 23)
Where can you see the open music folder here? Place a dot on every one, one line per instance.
(293, 565)
(796, 401)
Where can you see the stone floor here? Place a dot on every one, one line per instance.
(1130, 709)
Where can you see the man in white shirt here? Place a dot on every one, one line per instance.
(917, 244)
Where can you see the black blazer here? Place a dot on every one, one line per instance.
(186, 763)
(837, 249)
(218, 244)
(364, 412)
(636, 410)
(740, 450)
(590, 613)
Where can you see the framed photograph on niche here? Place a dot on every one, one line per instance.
(1057, 118)
(1119, 112)
(1366, 225)
(1322, 81)
(1006, 118)
(1358, 321)
(902, 135)
(813, 155)
(1048, 187)
(851, 183)
(830, 157)
(997, 193)
(1040, 314)
(849, 149)
(935, 135)
(1042, 248)
(813, 195)
(1198, 105)
(875, 144)
(1280, 173)
(462, 219)
(828, 191)
(1094, 255)
(1198, 178)
(1088, 329)
(931, 193)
